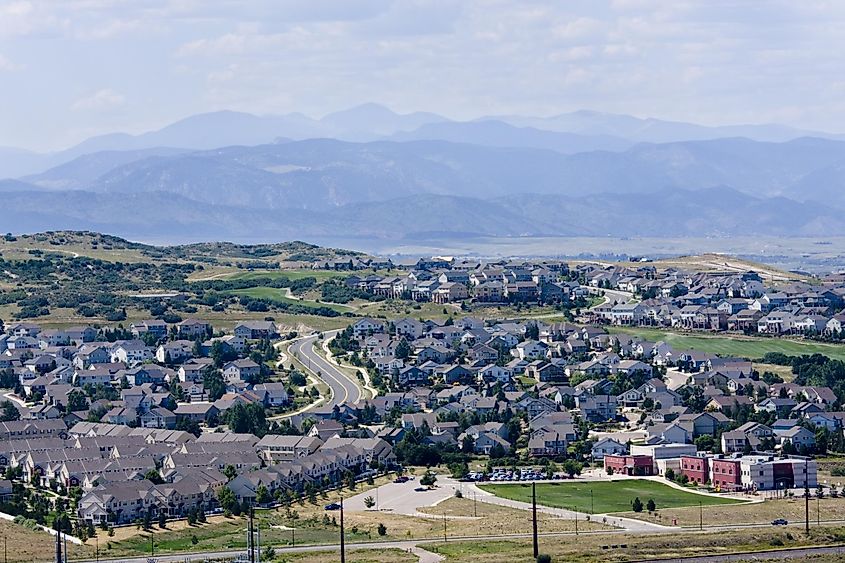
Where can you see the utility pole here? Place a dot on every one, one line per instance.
(592, 504)
(59, 558)
(576, 520)
(250, 539)
(806, 498)
(444, 525)
(700, 516)
(342, 539)
(474, 504)
(293, 537)
(152, 544)
(97, 544)
(534, 518)
(258, 543)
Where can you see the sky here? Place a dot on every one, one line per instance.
(70, 69)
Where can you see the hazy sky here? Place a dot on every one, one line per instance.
(73, 68)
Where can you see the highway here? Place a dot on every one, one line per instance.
(344, 390)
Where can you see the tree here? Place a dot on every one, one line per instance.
(382, 529)
(247, 419)
(227, 499)
(262, 495)
(76, 401)
(650, 506)
(637, 505)
(572, 467)
(154, 476)
(428, 480)
(162, 519)
(349, 479)
(9, 412)
(369, 502)
(192, 517)
(704, 443)
(213, 382)
(497, 451)
(230, 472)
(669, 474)
(403, 350)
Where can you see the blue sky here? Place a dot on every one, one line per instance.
(74, 68)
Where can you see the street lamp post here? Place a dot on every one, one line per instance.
(534, 518)
(342, 539)
(700, 516)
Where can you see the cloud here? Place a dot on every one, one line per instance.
(100, 100)
(710, 61)
(7, 65)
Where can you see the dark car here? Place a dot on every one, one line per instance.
(779, 522)
(333, 506)
(401, 479)
(421, 489)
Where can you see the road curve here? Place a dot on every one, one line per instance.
(343, 389)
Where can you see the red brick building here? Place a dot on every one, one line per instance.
(726, 474)
(696, 468)
(629, 464)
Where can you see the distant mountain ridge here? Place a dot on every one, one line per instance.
(570, 132)
(370, 172)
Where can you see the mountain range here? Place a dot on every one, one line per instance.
(369, 172)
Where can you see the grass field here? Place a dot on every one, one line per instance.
(481, 518)
(641, 547)
(607, 496)
(750, 513)
(23, 545)
(288, 274)
(736, 345)
(280, 296)
(354, 556)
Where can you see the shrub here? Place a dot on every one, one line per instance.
(382, 529)
(544, 558)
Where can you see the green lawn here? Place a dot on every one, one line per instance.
(736, 345)
(607, 496)
(279, 296)
(289, 274)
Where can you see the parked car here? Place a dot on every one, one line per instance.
(333, 506)
(401, 479)
(779, 522)
(421, 489)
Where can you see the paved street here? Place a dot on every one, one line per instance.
(343, 389)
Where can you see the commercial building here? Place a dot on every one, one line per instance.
(639, 465)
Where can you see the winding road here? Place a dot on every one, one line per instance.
(344, 390)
